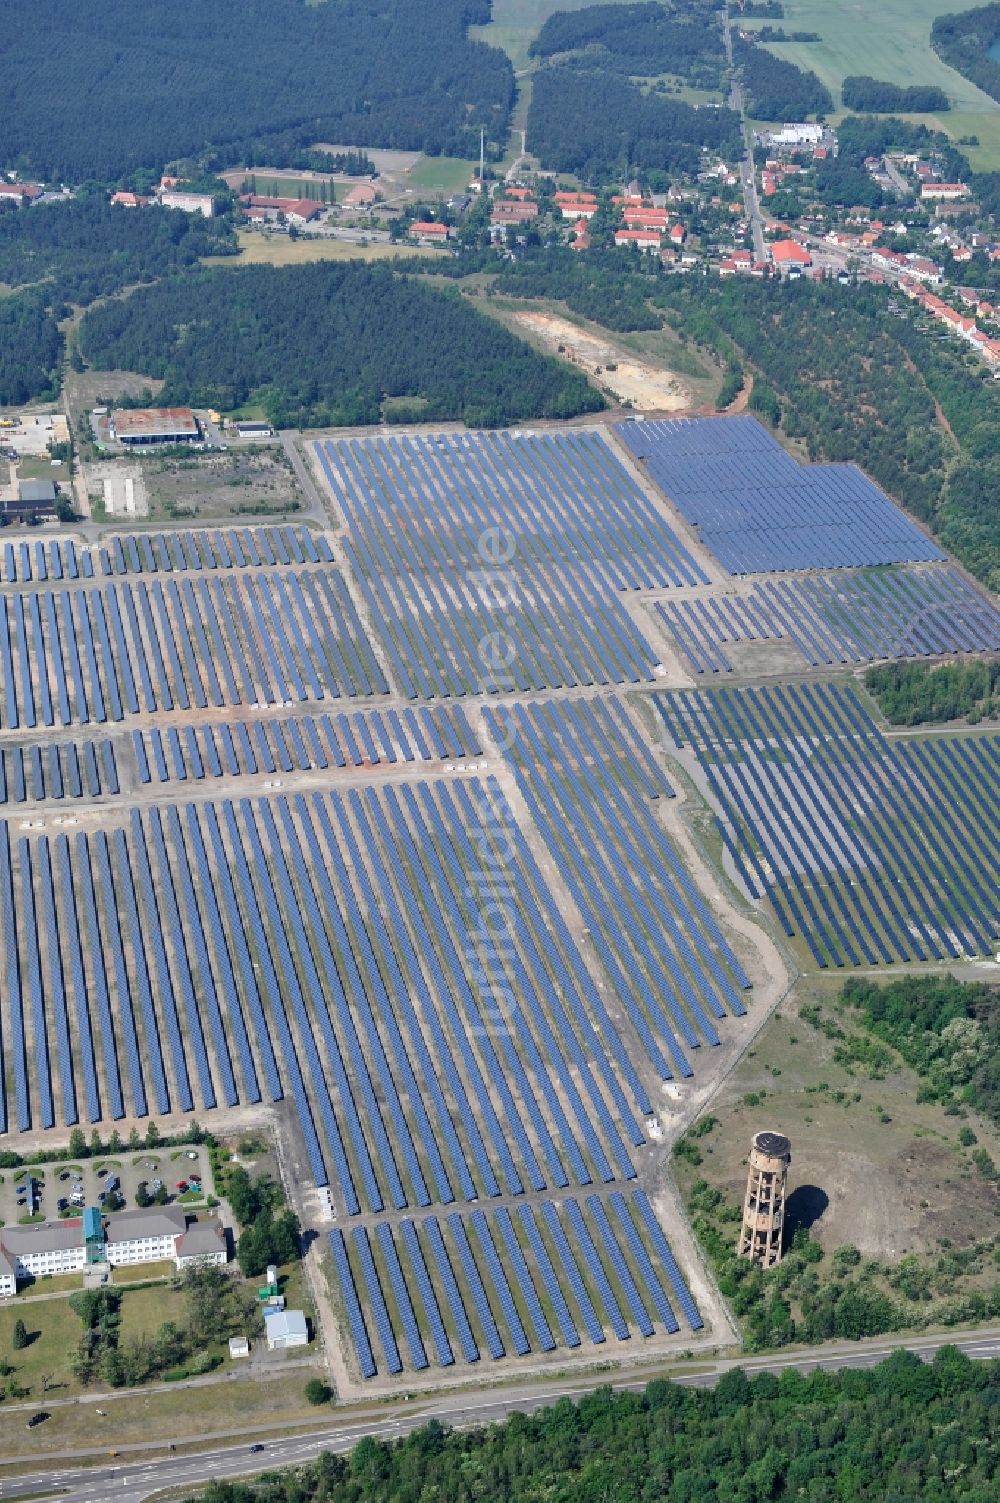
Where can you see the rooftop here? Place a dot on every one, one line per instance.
(158, 1221)
(149, 422)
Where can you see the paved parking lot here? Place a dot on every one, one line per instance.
(83, 1183)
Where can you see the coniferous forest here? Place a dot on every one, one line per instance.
(96, 88)
(603, 126)
(902, 1431)
(329, 344)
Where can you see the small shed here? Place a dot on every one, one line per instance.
(239, 1346)
(285, 1328)
(37, 492)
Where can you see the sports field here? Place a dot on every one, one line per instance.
(890, 41)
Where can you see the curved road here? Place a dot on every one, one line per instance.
(133, 1483)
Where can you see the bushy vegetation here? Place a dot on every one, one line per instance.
(269, 1232)
(902, 1430)
(862, 92)
(31, 348)
(216, 1306)
(85, 248)
(96, 88)
(946, 1030)
(915, 693)
(603, 127)
(322, 344)
(858, 383)
(776, 89)
(963, 41)
(640, 41)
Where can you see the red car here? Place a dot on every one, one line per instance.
(182, 1185)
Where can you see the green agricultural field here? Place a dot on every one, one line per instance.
(890, 41)
(516, 23)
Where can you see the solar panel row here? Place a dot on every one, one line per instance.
(669, 964)
(873, 849)
(477, 1282)
(493, 561)
(757, 510)
(120, 649)
(303, 743)
(848, 617)
(163, 552)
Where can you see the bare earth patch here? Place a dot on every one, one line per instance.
(643, 386)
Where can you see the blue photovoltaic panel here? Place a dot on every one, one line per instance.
(758, 510)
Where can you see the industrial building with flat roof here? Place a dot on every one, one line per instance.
(154, 425)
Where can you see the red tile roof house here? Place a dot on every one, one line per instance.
(510, 211)
(646, 240)
(299, 209)
(573, 206)
(790, 253)
(581, 236)
(639, 218)
(128, 200)
(20, 191)
(429, 232)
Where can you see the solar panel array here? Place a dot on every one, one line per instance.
(162, 552)
(669, 965)
(525, 540)
(33, 771)
(872, 849)
(856, 616)
(304, 743)
(504, 1283)
(106, 652)
(358, 902)
(758, 510)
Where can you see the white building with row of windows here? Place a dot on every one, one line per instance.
(141, 1236)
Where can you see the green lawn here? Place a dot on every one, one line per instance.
(53, 1336)
(890, 41)
(145, 1310)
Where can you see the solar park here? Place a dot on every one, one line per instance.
(275, 845)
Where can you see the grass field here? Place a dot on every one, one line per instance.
(279, 250)
(890, 41)
(245, 1405)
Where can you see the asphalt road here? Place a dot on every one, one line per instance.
(133, 1483)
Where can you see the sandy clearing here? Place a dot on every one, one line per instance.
(644, 386)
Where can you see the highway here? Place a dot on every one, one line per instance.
(131, 1483)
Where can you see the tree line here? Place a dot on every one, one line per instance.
(96, 88)
(946, 1030)
(640, 41)
(329, 344)
(902, 1430)
(963, 41)
(777, 89)
(860, 91)
(917, 693)
(31, 348)
(84, 248)
(604, 127)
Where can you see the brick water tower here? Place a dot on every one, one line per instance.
(764, 1206)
